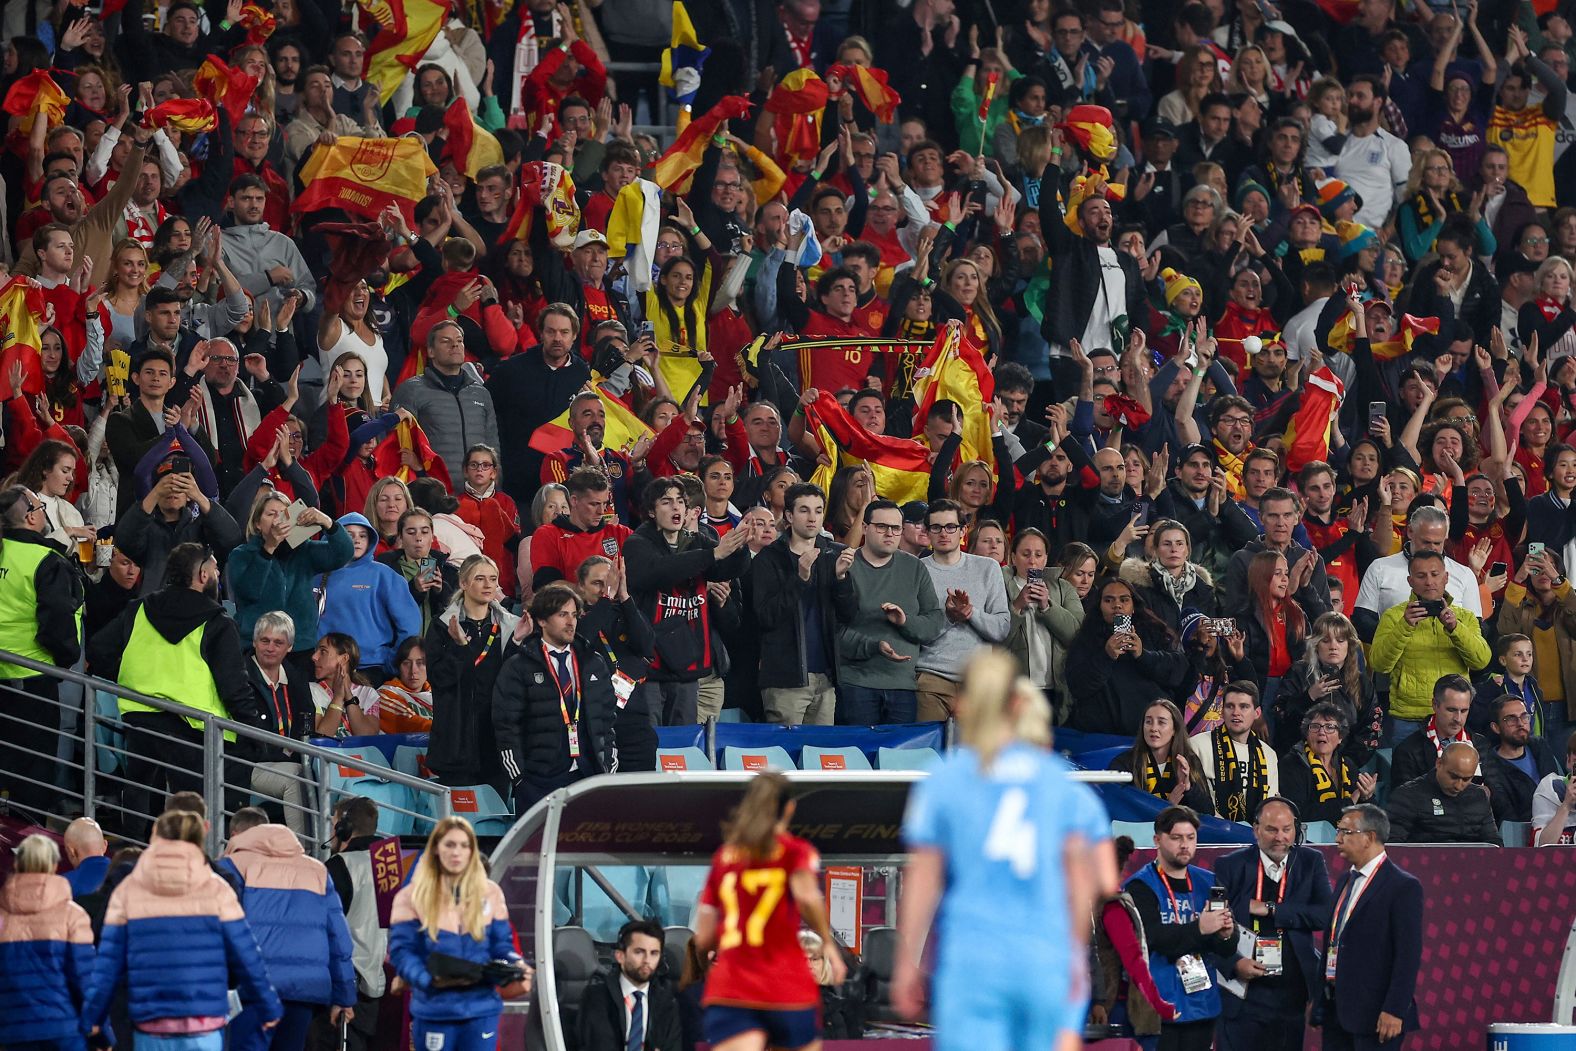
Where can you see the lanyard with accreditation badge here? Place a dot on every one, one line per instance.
(1339, 919)
(571, 723)
(1190, 968)
(1267, 950)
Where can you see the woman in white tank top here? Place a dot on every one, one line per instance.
(351, 330)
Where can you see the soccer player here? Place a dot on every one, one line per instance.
(760, 991)
(1019, 852)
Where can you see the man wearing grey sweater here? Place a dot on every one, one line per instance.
(898, 613)
(975, 605)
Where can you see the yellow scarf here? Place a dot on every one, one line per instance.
(1235, 796)
(1233, 466)
(1323, 785)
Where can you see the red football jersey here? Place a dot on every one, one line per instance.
(759, 960)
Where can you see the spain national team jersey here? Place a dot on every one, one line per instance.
(1528, 137)
(759, 960)
(1004, 834)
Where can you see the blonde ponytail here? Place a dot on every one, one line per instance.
(1000, 707)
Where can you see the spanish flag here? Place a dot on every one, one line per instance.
(547, 186)
(1307, 436)
(955, 371)
(632, 230)
(406, 29)
(901, 465)
(684, 52)
(184, 115)
(364, 176)
(259, 23)
(622, 428)
(471, 146)
(990, 96)
(797, 102)
(676, 166)
(34, 94)
(21, 305)
(408, 434)
(225, 86)
(1339, 337)
(1092, 129)
(871, 87)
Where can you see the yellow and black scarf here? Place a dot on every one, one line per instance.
(1324, 789)
(1238, 792)
(1158, 780)
(1233, 465)
(1425, 211)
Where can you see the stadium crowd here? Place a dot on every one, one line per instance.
(369, 369)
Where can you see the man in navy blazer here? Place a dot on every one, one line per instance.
(1374, 944)
(1281, 892)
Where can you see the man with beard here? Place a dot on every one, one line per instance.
(93, 230)
(1514, 768)
(623, 1008)
(1196, 497)
(536, 385)
(1373, 162)
(286, 60)
(1057, 501)
(177, 643)
(587, 425)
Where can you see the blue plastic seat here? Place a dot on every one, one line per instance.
(770, 757)
(813, 757)
(906, 758)
(1319, 832)
(488, 812)
(682, 759)
(1516, 833)
(1142, 833)
(346, 781)
(411, 759)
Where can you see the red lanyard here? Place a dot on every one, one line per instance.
(552, 669)
(492, 637)
(1338, 920)
(1176, 909)
(279, 710)
(1280, 895)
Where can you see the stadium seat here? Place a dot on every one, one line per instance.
(411, 759)
(1142, 833)
(771, 757)
(906, 758)
(731, 715)
(1516, 833)
(880, 959)
(849, 758)
(346, 781)
(574, 964)
(673, 941)
(1321, 832)
(488, 812)
(679, 759)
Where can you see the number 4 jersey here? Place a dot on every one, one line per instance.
(759, 960)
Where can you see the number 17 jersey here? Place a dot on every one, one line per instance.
(759, 960)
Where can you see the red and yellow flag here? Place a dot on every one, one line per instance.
(259, 22)
(1307, 436)
(1092, 129)
(676, 166)
(364, 176)
(621, 430)
(37, 93)
(901, 465)
(797, 102)
(955, 370)
(871, 87)
(986, 99)
(408, 435)
(225, 86)
(471, 146)
(21, 343)
(406, 29)
(549, 186)
(184, 115)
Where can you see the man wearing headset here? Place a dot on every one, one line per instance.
(350, 870)
(1279, 893)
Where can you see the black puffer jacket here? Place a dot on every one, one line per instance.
(1109, 696)
(461, 749)
(528, 725)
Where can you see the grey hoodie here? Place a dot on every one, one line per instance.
(252, 251)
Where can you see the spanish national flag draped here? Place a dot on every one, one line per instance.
(228, 88)
(674, 168)
(901, 465)
(364, 176)
(408, 435)
(870, 86)
(1340, 336)
(683, 52)
(954, 370)
(797, 102)
(184, 115)
(471, 146)
(406, 29)
(34, 94)
(21, 305)
(549, 186)
(1307, 436)
(621, 430)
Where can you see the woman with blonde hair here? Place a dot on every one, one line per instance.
(1549, 316)
(1331, 669)
(386, 501)
(962, 293)
(266, 574)
(124, 288)
(1016, 854)
(451, 908)
(46, 952)
(1251, 74)
(842, 1017)
(1434, 195)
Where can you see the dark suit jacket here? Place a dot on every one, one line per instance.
(602, 1015)
(1304, 909)
(1416, 756)
(1381, 949)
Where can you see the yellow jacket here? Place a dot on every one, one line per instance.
(1415, 656)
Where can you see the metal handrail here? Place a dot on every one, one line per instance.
(213, 729)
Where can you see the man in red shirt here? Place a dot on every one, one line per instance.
(588, 422)
(620, 167)
(863, 260)
(834, 368)
(251, 158)
(571, 68)
(558, 549)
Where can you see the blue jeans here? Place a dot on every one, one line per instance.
(213, 1041)
(475, 1034)
(863, 706)
(247, 1032)
(1398, 730)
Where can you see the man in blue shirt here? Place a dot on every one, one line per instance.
(89, 856)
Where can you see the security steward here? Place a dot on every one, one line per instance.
(40, 618)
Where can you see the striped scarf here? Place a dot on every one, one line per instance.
(1323, 784)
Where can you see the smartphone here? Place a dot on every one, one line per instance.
(1122, 622)
(1376, 412)
(1534, 547)
(1225, 626)
(645, 331)
(1035, 575)
(1217, 899)
(1433, 606)
(429, 565)
(180, 464)
(1143, 514)
(1497, 568)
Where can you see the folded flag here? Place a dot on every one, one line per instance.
(364, 176)
(471, 146)
(225, 86)
(184, 115)
(408, 435)
(901, 465)
(989, 96)
(621, 429)
(547, 186)
(37, 93)
(674, 168)
(809, 252)
(21, 342)
(406, 29)
(683, 59)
